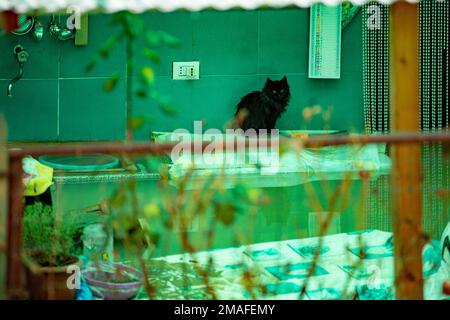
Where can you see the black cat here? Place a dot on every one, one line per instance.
(261, 109)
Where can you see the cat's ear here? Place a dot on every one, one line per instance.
(268, 81)
(284, 80)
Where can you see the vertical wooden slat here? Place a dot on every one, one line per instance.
(14, 282)
(3, 202)
(406, 176)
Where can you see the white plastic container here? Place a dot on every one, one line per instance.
(98, 243)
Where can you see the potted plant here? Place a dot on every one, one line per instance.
(49, 249)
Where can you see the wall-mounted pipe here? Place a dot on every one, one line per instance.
(22, 57)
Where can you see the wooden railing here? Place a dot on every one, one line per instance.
(15, 186)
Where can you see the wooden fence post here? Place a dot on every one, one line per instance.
(406, 175)
(3, 202)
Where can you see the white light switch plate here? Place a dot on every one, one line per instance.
(189, 70)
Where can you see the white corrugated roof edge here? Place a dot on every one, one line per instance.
(109, 6)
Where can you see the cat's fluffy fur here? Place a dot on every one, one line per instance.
(261, 109)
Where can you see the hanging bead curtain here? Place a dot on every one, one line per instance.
(375, 35)
(433, 65)
(376, 67)
(434, 44)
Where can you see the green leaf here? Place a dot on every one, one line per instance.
(153, 38)
(168, 39)
(148, 75)
(117, 18)
(141, 93)
(90, 66)
(225, 213)
(154, 237)
(130, 63)
(111, 83)
(165, 104)
(137, 122)
(107, 47)
(152, 55)
(134, 25)
(168, 108)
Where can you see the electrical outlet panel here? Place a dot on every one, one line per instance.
(186, 70)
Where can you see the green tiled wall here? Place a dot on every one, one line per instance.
(57, 100)
(237, 50)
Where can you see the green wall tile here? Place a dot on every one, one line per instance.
(237, 50)
(42, 62)
(180, 93)
(281, 52)
(31, 114)
(284, 37)
(212, 99)
(215, 98)
(226, 42)
(88, 113)
(351, 58)
(75, 58)
(338, 96)
(178, 25)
